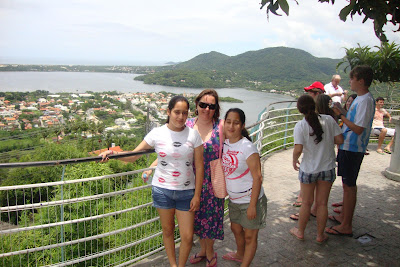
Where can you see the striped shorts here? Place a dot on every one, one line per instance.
(308, 178)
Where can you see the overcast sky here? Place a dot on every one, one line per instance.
(157, 31)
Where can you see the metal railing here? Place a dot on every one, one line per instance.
(105, 220)
(101, 220)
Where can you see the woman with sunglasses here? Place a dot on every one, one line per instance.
(208, 222)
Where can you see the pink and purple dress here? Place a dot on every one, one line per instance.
(208, 220)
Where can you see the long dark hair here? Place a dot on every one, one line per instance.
(306, 105)
(242, 118)
(322, 104)
(213, 93)
(353, 96)
(173, 101)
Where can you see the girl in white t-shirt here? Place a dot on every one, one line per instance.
(247, 201)
(314, 136)
(176, 190)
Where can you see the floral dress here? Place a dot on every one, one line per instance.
(208, 220)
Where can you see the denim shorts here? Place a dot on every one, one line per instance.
(172, 199)
(238, 214)
(309, 178)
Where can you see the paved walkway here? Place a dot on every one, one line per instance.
(377, 215)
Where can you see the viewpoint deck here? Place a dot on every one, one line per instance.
(377, 215)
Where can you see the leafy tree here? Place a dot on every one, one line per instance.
(384, 60)
(381, 12)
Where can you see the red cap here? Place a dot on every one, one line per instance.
(315, 86)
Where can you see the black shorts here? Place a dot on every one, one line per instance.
(349, 164)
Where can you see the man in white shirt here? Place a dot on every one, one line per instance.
(334, 90)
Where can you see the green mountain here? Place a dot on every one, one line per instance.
(269, 68)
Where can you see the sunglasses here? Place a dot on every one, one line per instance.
(205, 105)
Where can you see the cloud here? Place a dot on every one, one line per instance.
(176, 30)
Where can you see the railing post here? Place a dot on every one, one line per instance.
(286, 125)
(62, 215)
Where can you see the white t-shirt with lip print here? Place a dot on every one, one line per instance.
(239, 181)
(175, 153)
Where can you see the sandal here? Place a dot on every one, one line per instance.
(296, 216)
(338, 204)
(297, 204)
(231, 256)
(387, 151)
(379, 151)
(196, 259)
(338, 210)
(208, 264)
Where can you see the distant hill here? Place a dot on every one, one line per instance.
(262, 69)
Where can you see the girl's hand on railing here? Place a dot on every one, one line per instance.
(146, 175)
(104, 155)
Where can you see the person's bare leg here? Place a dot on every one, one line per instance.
(381, 138)
(251, 236)
(389, 146)
(349, 204)
(210, 250)
(185, 222)
(299, 199)
(168, 227)
(323, 190)
(238, 232)
(308, 199)
(314, 206)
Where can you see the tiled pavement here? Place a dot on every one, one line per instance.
(377, 215)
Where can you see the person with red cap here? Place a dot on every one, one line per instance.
(315, 89)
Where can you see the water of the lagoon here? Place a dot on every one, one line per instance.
(79, 82)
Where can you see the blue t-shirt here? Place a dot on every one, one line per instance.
(361, 113)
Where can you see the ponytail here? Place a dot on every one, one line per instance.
(306, 105)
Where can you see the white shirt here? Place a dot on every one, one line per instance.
(329, 89)
(175, 153)
(239, 181)
(317, 157)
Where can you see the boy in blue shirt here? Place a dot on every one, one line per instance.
(356, 131)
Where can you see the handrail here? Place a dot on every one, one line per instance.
(72, 161)
(103, 220)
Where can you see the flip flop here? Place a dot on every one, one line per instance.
(297, 204)
(337, 204)
(230, 256)
(196, 259)
(380, 152)
(336, 232)
(293, 234)
(337, 210)
(387, 151)
(333, 218)
(208, 264)
(295, 216)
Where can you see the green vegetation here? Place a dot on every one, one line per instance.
(230, 99)
(280, 68)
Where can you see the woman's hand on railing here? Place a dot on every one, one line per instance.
(146, 175)
(104, 155)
